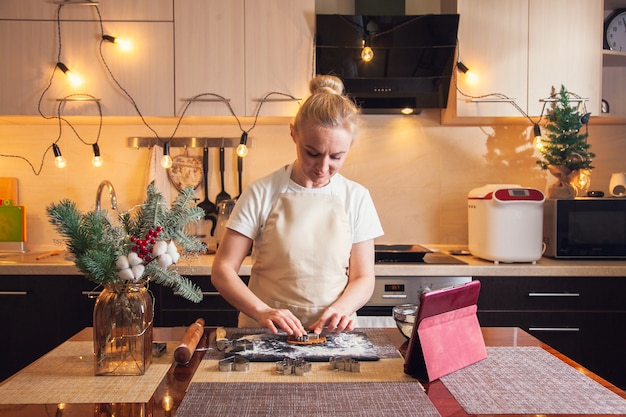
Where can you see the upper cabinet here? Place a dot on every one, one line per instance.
(614, 72)
(37, 34)
(241, 50)
(520, 50)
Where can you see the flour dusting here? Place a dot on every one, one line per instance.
(270, 347)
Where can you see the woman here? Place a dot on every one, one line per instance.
(313, 229)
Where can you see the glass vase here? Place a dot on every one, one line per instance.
(122, 329)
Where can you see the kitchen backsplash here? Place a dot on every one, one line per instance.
(418, 172)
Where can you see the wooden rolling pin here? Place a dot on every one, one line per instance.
(184, 351)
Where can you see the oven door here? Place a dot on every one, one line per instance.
(390, 291)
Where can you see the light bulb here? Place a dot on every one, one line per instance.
(367, 54)
(59, 160)
(242, 149)
(538, 140)
(166, 159)
(97, 159)
(124, 44)
(407, 111)
(75, 79)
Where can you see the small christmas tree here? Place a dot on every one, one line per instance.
(565, 149)
(566, 146)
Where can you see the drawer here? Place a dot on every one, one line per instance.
(212, 318)
(550, 293)
(211, 300)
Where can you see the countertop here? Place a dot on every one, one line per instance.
(173, 386)
(200, 265)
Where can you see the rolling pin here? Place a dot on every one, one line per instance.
(184, 351)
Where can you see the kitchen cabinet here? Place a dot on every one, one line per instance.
(173, 310)
(521, 49)
(240, 50)
(243, 50)
(614, 74)
(37, 313)
(580, 317)
(29, 34)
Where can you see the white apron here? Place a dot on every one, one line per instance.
(302, 262)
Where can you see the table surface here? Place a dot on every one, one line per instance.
(172, 388)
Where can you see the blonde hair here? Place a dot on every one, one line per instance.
(327, 106)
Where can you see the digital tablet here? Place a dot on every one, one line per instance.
(435, 303)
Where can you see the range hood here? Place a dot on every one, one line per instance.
(412, 64)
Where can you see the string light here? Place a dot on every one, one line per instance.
(59, 160)
(124, 44)
(242, 149)
(538, 141)
(470, 76)
(74, 78)
(166, 159)
(97, 159)
(367, 54)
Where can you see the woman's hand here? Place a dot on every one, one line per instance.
(334, 321)
(284, 319)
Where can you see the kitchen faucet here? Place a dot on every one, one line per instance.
(111, 194)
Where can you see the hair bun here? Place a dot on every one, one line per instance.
(326, 84)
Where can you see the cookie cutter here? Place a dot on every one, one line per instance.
(233, 363)
(228, 345)
(344, 363)
(290, 366)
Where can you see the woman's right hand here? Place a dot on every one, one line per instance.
(275, 318)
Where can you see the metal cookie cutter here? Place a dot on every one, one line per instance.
(289, 366)
(233, 345)
(233, 363)
(344, 363)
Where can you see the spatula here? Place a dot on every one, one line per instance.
(209, 207)
(223, 195)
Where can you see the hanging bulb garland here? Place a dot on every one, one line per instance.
(166, 159)
(97, 159)
(59, 159)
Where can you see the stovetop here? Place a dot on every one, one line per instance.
(412, 254)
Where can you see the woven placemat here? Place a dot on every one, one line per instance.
(66, 375)
(365, 399)
(529, 380)
(390, 370)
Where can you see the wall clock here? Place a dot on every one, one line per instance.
(615, 31)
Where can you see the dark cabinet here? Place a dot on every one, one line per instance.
(174, 310)
(581, 317)
(37, 313)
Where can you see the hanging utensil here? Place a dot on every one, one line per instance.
(209, 207)
(223, 195)
(239, 175)
(186, 171)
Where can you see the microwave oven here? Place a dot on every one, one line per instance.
(585, 228)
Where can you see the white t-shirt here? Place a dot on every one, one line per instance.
(255, 204)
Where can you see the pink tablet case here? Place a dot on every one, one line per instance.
(446, 335)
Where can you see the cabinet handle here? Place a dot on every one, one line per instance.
(13, 292)
(203, 293)
(553, 294)
(394, 296)
(91, 294)
(553, 329)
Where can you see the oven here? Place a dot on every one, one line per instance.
(390, 291)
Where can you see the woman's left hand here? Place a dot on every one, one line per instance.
(334, 321)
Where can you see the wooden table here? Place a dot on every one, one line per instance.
(172, 388)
